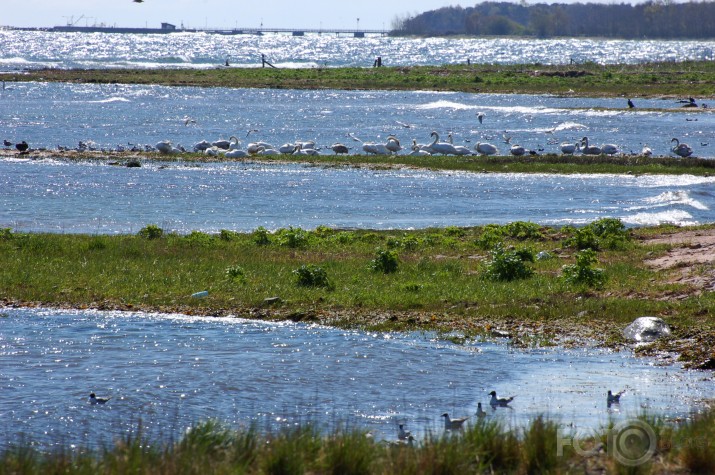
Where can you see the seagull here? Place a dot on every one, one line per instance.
(93, 399)
(480, 411)
(614, 398)
(189, 120)
(403, 434)
(480, 116)
(646, 152)
(501, 402)
(453, 424)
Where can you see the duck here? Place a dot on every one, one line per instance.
(22, 146)
(93, 399)
(402, 434)
(614, 398)
(453, 424)
(501, 401)
(682, 149)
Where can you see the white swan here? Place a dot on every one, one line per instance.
(299, 150)
(236, 153)
(570, 148)
(375, 148)
(443, 148)
(255, 147)
(339, 148)
(221, 143)
(164, 146)
(517, 150)
(393, 144)
(201, 146)
(287, 148)
(486, 149)
(235, 143)
(459, 149)
(267, 151)
(609, 149)
(589, 149)
(419, 150)
(682, 149)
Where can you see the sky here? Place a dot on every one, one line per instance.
(372, 14)
(224, 14)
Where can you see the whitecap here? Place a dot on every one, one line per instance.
(676, 217)
(442, 104)
(111, 99)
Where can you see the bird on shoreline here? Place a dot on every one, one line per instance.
(93, 399)
(453, 424)
(22, 146)
(630, 104)
(501, 401)
(403, 434)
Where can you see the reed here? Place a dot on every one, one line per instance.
(483, 447)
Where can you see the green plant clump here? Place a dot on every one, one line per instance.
(583, 271)
(151, 231)
(309, 275)
(509, 264)
(385, 261)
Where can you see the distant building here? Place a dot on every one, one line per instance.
(168, 26)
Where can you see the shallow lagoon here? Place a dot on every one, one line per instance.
(169, 371)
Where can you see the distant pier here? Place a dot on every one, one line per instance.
(169, 28)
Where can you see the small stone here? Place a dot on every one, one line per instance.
(271, 301)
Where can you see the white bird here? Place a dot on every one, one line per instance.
(517, 150)
(255, 147)
(614, 398)
(646, 151)
(93, 399)
(375, 148)
(589, 149)
(299, 150)
(501, 401)
(480, 116)
(267, 151)
(402, 434)
(201, 146)
(339, 148)
(453, 424)
(236, 153)
(235, 143)
(570, 148)
(164, 146)
(459, 149)
(480, 411)
(486, 149)
(393, 144)
(287, 148)
(443, 148)
(682, 149)
(222, 144)
(609, 149)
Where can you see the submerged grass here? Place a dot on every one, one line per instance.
(440, 279)
(485, 446)
(684, 79)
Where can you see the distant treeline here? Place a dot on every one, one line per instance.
(654, 19)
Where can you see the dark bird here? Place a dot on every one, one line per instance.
(93, 399)
(614, 398)
(22, 146)
(138, 1)
(7, 143)
(630, 104)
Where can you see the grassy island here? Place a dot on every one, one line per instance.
(664, 79)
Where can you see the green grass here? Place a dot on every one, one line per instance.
(684, 79)
(485, 446)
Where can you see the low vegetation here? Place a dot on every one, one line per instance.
(562, 283)
(485, 446)
(682, 79)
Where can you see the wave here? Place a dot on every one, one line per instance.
(442, 104)
(671, 198)
(676, 217)
(111, 99)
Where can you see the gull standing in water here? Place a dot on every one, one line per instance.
(614, 398)
(501, 401)
(453, 424)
